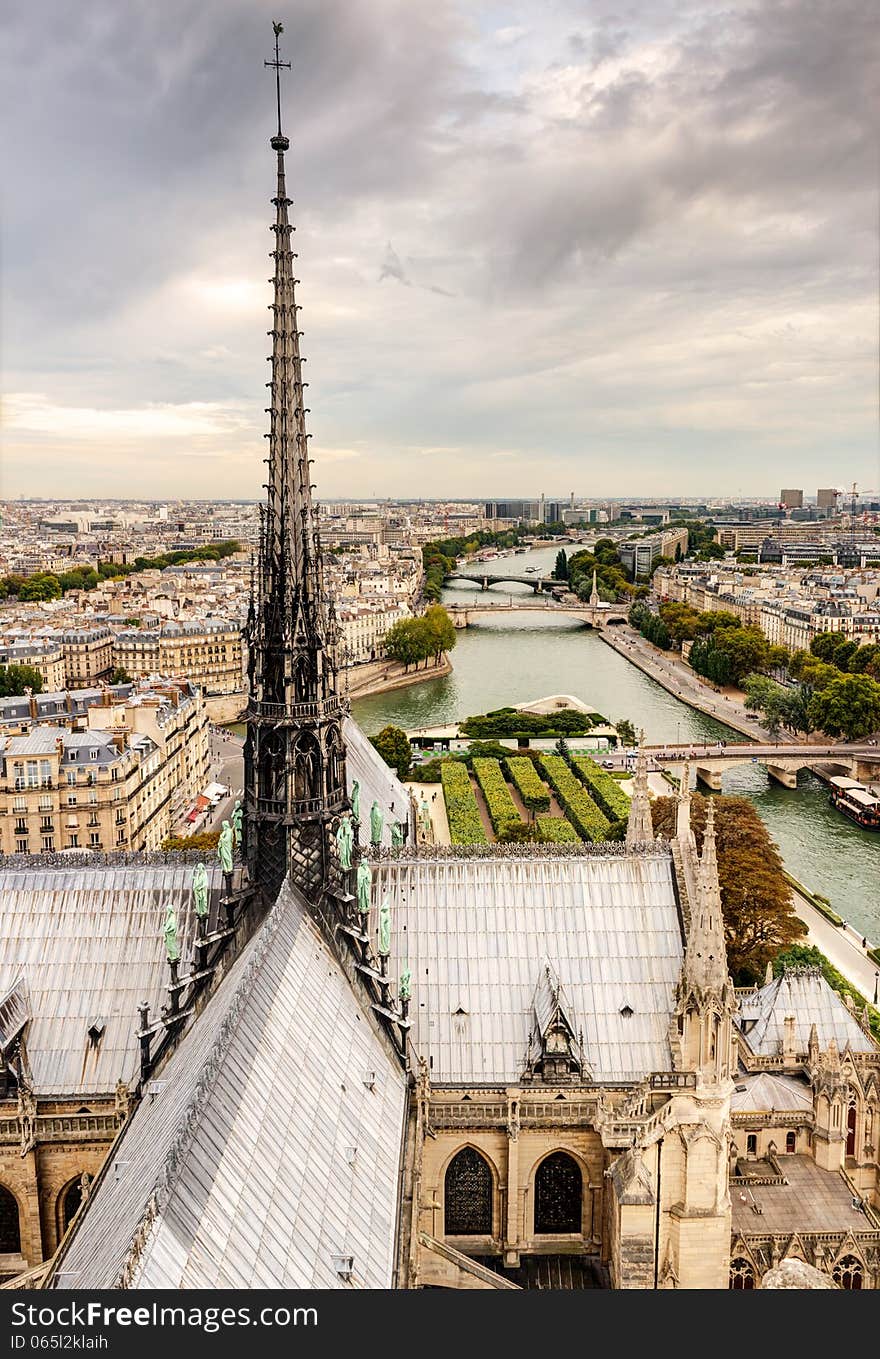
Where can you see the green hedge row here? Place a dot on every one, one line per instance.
(581, 810)
(465, 824)
(556, 830)
(501, 806)
(524, 778)
(605, 791)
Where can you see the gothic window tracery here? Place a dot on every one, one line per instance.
(468, 1195)
(10, 1227)
(848, 1272)
(71, 1199)
(742, 1275)
(558, 1194)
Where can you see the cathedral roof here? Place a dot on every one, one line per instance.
(768, 1093)
(377, 781)
(88, 943)
(804, 993)
(268, 1144)
(477, 932)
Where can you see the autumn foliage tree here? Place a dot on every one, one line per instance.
(759, 917)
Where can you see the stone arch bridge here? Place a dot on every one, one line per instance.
(592, 615)
(782, 762)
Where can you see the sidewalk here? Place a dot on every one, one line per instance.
(841, 946)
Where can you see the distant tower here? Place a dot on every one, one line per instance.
(639, 827)
(294, 752)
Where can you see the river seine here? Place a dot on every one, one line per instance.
(517, 658)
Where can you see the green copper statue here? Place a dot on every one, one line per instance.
(385, 927)
(226, 847)
(237, 819)
(356, 800)
(345, 840)
(171, 947)
(375, 824)
(404, 991)
(200, 889)
(364, 882)
(396, 835)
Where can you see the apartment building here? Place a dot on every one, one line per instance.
(114, 785)
(45, 656)
(207, 651)
(88, 655)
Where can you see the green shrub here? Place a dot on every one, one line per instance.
(582, 812)
(525, 780)
(604, 790)
(501, 806)
(465, 824)
(555, 830)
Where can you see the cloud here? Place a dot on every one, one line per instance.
(635, 253)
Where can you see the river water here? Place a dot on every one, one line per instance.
(517, 658)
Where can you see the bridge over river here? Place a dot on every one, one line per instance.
(594, 615)
(782, 761)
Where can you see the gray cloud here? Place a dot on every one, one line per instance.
(637, 245)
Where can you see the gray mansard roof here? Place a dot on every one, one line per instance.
(479, 933)
(271, 1143)
(804, 993)
(88, 943)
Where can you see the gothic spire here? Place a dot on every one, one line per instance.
(294, 754)
(683, 810)
(706, 954)
(639, 827)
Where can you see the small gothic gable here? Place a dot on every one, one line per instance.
(555, 1049)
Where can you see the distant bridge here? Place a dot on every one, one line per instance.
(594, 616)
(782, 762)
(486, 579)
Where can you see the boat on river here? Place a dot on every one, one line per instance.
(856, 801)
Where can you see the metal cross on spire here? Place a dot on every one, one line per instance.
(278, 66)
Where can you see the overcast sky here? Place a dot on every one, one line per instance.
(544, 245)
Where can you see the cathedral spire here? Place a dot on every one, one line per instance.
(683, 831)
(294, 754)
(639, 827)
(706, 956)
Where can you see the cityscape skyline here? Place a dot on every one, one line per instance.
(674, 212)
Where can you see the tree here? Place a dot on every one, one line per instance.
(759, 918)
(560, 570)
(14, 679)
(849, 707)
(201, 840)
(121, 676)
(519, 832)
(393, 745)
(440, 631)
(626, 732)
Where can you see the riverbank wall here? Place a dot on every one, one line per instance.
(377, 677)
(692, 699)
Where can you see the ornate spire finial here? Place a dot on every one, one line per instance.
(639, 827)
(709, 859)
(683, 811)
(278, 65)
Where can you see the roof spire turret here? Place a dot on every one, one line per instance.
(639, 827)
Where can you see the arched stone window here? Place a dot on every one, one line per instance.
(70, 1200)
(10, 1227)
(790, 1142)
(742, 1275)
(851, 1118)
(558, 1194)
(307, 767)
(848, 1272)
(467, 1207)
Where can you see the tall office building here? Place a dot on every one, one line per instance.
(792, 500)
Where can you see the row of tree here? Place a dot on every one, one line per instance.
(46, 585)
(419, 639)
